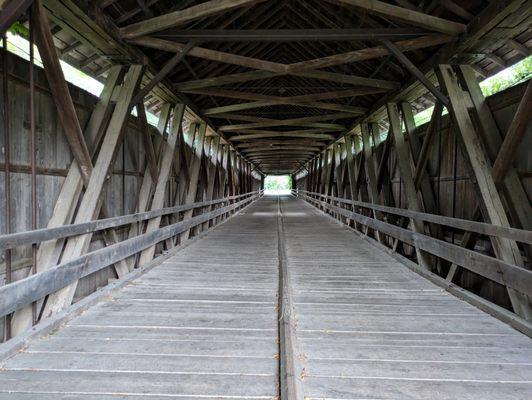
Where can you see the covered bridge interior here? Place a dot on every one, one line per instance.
(141, 258)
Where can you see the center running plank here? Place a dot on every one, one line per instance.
(369, 328)
(202, 325)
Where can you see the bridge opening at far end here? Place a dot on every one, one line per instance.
(277, 184)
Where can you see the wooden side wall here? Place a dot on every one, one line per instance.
(455, 189)
(53, 158)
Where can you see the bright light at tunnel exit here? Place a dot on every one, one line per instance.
(277, 184)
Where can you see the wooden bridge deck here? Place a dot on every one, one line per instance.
(203, 325)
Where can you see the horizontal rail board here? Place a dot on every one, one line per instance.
(520, 235)
(40, 235)
(497, 270)
(25, 291)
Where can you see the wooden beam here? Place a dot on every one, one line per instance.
(403, 160)
(278, 148)
(194, 166)
(416, 72)
(348, 79)
(512, 187)
(164, 71)
(415, 18)
(371, 178)
(284, 101)
(514, 136)
(265, 143)
(181, 17)
(304, 121)
(90, 203)
(151, 159)
(10, 11)
(369, 53)
(147, 185)
(492, 207)
(212, 174)
(338, 94)
(427, 193)
(423, 156)
(305, 133)
(211, 55)
(224, 80)
(49, 251)
(59, 88)
(164, 169)
(291, 35)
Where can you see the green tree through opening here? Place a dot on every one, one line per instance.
(277, 184)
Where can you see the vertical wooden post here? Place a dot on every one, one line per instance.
(512, 188)
(195, 165)
(491, 203)
(91, 202)
(427, 194)
(403, 160)
(163, 171)
(369, 165)
(212, 172)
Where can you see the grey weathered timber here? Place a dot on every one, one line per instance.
(520, 235)
(49, 252)
(180, 17)
(91, 203)
(490, 200)
(403, 159)
(59, 278)
(368, 327)
(413, 17)
(195, 165)
(201, 324)
(515, 278)
(146, 187)
(205, 323)
(164, 167)
(370, 173)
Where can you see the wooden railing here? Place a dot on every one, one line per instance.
(512, 276)
(18, 294)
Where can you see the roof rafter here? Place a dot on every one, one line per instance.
(411, 16)
(180, 17)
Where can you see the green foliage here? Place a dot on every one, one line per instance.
(276, 183)
(510, 76)
(19, 29)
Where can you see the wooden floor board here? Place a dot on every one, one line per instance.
(369, 328)
(203, 325)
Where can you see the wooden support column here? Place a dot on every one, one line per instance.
(49, 252)
(403, 160)
(369, 166)
(212, 172)
(514, 136)
(311, 175)
(427, 193)
(91, 202)
(319, 170)
(512, 188)
(491, 204)
(351, 169)
(164, 168)
(147, 185)
(195, 165)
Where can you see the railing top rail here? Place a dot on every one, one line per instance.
(16, 295)
(494, 269)
(40, 235)
(520, 235)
